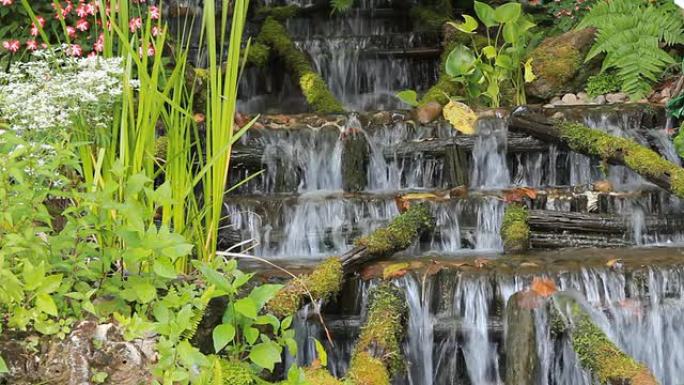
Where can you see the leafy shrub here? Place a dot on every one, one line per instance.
(483, 71)
(602, 83)
(630, 34)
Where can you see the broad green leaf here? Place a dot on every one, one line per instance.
(164, 268)
(508, 13)
(246, 307)
(135, 184)
(460, 61)
(50, 284)
(241, 279)
(460, 116)
(321, 353)
(46, 304)
(143, 289)
(190, 356)
(3, 366)
(486, 14)
(263, 293)
(287, 322)
(489, 51)
(268, 319)
(511, 33)
(33, 275)
(176, 251)
(222, 335)
(251, 334)
(529, 73)
(266, 355)
(468, 26)
(504, 61)
(409, 97)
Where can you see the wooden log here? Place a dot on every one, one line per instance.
(326, 280)
(561, 221)
(613, 149)
(522, 361)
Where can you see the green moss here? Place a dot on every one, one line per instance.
(161, 145)
(236, 373)
(642, 160)
(382, 333)
(367, 370)
(557, 63)
(320, 376)
(281, 12)
(400, 233)
(515, 231)
(428, 18)
(324, 282)
(600, 356)
(258, 54)
(602, 83)
(313, 87)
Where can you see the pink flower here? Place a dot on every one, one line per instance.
(11, 45)
(92, 54)
(154, 12)
(81, 11)
(135, 23)
(31, 45)
(7, 2)
(75, 50)
(71, 31)
(91, 8)
(155, 31)
(82, 25)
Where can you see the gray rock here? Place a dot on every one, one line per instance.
(556, 101)
(617, 97)
(600, 99)
(569, 99)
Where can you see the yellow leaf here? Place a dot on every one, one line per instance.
(460, 116)
(529, 73)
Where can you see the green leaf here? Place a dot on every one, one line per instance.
(135, 184)
(143, 289)
(504, 61)
(321, 353)
(246, 307)
(489, 51)
(468, 26)
(222, 335)
(529, 73)
(486, 14)
(266, 355)
(46, 304)
(50, 284)
(264, 293)
(251, 334)
(164, 268)
(409, 97)
(508, 13)
(460, 61)
(3, 366)
(511, 33)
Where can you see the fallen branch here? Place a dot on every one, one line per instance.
(613, 149)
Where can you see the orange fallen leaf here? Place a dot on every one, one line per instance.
(402, 204)
(614, 262)
(543, 286)
(481, 262)
(517, 194)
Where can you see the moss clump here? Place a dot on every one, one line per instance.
(515, 231)
(320, 376)
(384, 328)
(600, 356)
(324, 282)
(313, 87)
(640, 159)
(428, 18)
(258, 54)
(602, 83)
(281, 12)
(399, 234)
(367, 370)
(236, 373)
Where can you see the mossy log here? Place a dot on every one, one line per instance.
(613, 149)
(317, 94)
(515, 231)
(326, 280)
(596, 352)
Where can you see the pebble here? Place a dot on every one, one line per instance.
(569, 99)
(617, 97)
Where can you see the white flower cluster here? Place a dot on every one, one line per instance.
(46, 96)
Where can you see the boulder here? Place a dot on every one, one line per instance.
(428, 112)
(559, 65)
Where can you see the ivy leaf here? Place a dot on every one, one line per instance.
(460, 61)
(251, 334)
(266, 355)
(409, 97)
(46, 304)
(222, 335)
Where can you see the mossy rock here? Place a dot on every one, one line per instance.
(515, 231)
(258, 54)
(558, 63)
(400, 233)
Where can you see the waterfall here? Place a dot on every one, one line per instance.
(420, 338)
(489, 168)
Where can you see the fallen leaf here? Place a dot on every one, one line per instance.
(543, 286)
(528, 264)
(402, 204)
(458, 192)
(517, 194)
(460, 116)
(481, 262)
(614, 262)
